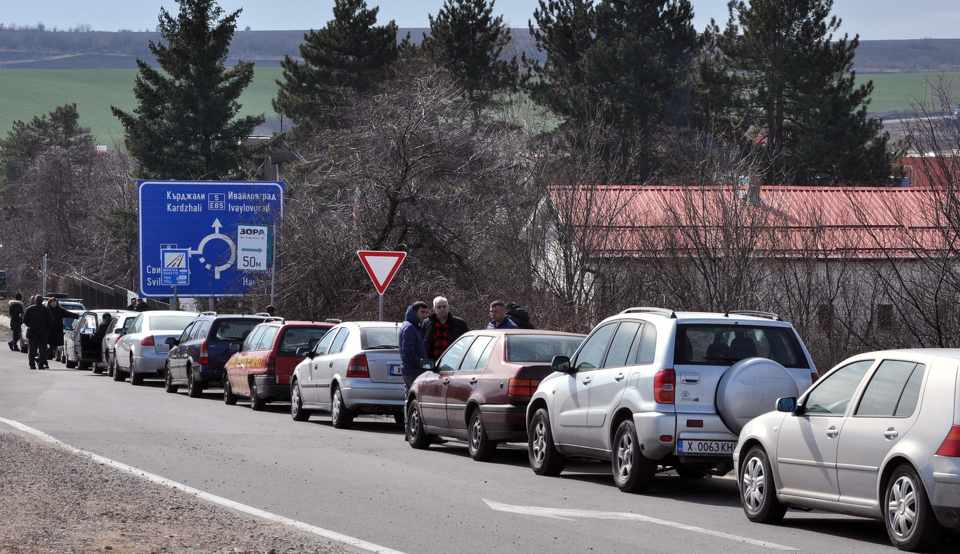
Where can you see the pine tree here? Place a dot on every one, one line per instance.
(25, 141)
(468, 41)
(185, 125)
(350, 55)
(789, 84)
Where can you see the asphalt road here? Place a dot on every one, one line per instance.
(367, 483)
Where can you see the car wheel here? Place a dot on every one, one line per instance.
(168, 380)
(256, 403)
(632, 471)
(296, 405)
(228, 397)
(136, 379)
(417, 436)
(911, 524)
(70, 364)
(83, 365)
(118, 374)
(545, 459)
(194, 390)
(97, 368)
(340, 416)
(111, 366)
(480, 446)
(757, 491)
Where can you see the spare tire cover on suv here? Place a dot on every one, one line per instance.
(751, 387)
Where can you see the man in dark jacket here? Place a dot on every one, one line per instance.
(441, 329)
(39, 321)
(520, 316)
(412, 351)
(55, 338)
(16, 320)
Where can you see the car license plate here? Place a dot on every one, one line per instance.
(705, 448)
(395, 370)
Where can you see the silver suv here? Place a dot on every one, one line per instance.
(651, 387)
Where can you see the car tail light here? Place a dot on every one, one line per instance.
(813, 377)
(663, 386)
(522, 387)
(358, 367)
(951, 444)
(204, 353)
(116, 340)
(270, 364)
(147, 341)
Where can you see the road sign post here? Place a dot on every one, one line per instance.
(381, 267)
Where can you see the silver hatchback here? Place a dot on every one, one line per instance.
(878, 437)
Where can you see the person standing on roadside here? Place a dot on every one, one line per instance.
(498, 316)
(16, 320)
(441, 329)
(412, 351)
(55, 338)
(519, 315)
(39, 321)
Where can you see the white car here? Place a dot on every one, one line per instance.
(142, 352)
(120, 326)
(878, 437)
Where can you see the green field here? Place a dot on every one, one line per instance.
(25, 93)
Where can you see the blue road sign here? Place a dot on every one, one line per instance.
(200, 219)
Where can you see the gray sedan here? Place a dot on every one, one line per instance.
(141, 352)
(354, 368)
(878, 437)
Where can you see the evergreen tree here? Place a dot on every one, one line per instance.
(468, 41)
(350, 55)
(25, 141)
(787, 87)
(185, 125)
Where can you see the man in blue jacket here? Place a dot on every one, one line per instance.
(412, 351)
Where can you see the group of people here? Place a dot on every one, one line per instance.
(425, 336)
(44, 321)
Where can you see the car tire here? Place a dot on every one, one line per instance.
(194, 390)
(83, 366)
(544, 457)
(297, 412)
(70, 364)
(911, 523)
(97, 368)
(168, 381)
(118, 374)
(256, 403)
(228, 397)
(340, 416)
(417, 436)
(136, 379)
(758, 494)
(111, 365)
(632, 471)
(479, 445)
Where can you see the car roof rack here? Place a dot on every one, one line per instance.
(333, 320)
(208, 313)
(754, 313)
(646, 310)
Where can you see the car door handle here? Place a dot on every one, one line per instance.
(619, 377)
(586, 380)
(890, 433)
(473, 381)
(446, 381)
(832, 432)
(331, 364)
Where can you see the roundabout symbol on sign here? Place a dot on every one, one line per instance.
(216, 235)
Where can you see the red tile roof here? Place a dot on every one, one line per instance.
(835, 222)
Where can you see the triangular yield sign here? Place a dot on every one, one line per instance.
(381, 266)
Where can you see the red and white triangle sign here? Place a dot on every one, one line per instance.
(381, 266)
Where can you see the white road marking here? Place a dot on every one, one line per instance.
(364, 545)
(561, 513)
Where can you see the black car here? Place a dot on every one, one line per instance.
(198, 357)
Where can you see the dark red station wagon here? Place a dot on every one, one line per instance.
(262, 368)
(479, 389)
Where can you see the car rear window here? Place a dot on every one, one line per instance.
(379, 338)
(234, 329)
(724, 344)
(299, 337)
(540, 348)
(171, 322)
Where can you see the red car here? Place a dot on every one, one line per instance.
(479, 388)
(262, 368)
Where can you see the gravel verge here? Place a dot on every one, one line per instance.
(53, 500)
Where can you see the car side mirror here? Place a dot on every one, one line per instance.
(428, 365)
(172, 341)
(787, 404)
(305, 353)
(561, 364)
(234, 347)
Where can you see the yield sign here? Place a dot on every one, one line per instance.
(381, 266)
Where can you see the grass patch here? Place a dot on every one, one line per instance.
(899, 92)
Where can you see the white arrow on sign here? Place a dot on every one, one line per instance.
(381, 266)
(562, 513)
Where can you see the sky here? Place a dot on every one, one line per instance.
(871, 19)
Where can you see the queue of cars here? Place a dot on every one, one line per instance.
(647, 390)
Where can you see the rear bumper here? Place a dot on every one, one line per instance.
(207, 374)
(945, 493)
(505, 422)
(267, 388)
(361, 394)
(150, 362)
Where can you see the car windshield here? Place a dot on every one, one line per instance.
(725, 344)
(378, 338)
(300, 337)
(170, 322)
(540, 348)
